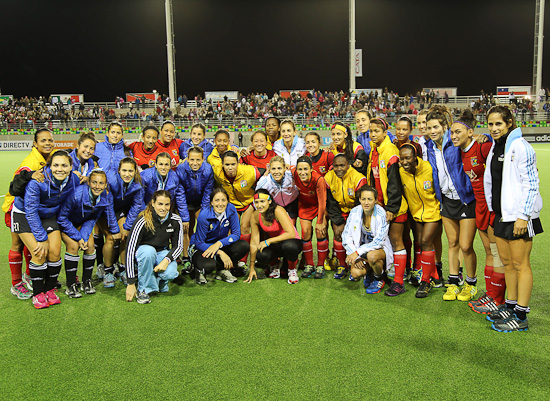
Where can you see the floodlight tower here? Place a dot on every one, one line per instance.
(351, 45)
(171, 50)
(537, 54)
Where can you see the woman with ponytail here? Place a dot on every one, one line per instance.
(342, 142)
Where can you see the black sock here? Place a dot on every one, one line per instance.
(116, 251)
(471, 281)
(511, 304)
(521, 312)
(99, 241)
(71, 266)
(453, 279)
(88, 267)
(53, 273)
(109, 269)
(439, 268)
(38, 277)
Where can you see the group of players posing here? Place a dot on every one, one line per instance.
(146, 205)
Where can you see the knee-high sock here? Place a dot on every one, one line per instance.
(99, 241)
(408, 244)
(28, 257)
(340, 253)
(246, 237)
(308, 252)
(292, 265)
(428, 265)
(322, 251)
(400, 263)
(88, 266)
(488, 277)
(417, 257)
(16, 262)
(498, 285)
(71, 265)
(38, 277)
(52, 274)
(116, 252)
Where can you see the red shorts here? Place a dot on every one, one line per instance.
(7, 219)
(308, 213)
(492, 219)
(401, 219)
(483, 216)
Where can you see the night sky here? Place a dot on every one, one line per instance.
(104, 48)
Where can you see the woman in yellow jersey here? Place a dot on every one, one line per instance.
(221, 145)
(342, 142)
(418, 187)
(239, 181)
(43, 145)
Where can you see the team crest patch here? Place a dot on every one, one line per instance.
(350, 191)
(382, 164)
(473, 160)
(211, 227)
(322, 169)
(243, 183)
(175, 152)
(427, 184)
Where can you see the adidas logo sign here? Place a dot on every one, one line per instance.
(49, 228)
(463, 215)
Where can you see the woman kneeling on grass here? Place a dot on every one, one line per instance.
(273, 236)
(365, 239)
(216, 242)
(155, 242)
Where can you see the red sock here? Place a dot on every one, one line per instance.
(399, 261)
(408, 245)
(417, 257)
(246, 237)
(292, 265)
(16, 262)
(308, 252)
(428, 265)
(28, 258)
(498, 284)
(488, 277)
(340, 253)
(322, 252)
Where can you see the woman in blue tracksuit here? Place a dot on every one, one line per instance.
(197, 179)
(454, 191)
(112, 150)
(198, 138)
(128, 194)
(162, 177)
(77, 218)
(83, 161)
(216, 246)
(34, 219)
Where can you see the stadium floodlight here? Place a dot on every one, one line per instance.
(171, 50)
(155, 96)
(351, 45)
(537, 53)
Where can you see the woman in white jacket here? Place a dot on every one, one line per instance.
(511, 184)
(365, 239)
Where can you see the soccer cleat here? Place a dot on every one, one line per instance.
(143, 298)
(423, 289)
(452, 292)
(72, 291)
(186, 265)
(40, 301)
(123, 278)
(502, 313)
(327, 264)
(350, 278)
(367, 280)
(21, 291)
(293, 276)
(319, 272)
(483, 299)
(511, 324)
(27, 281)
(100, 270)
(260, 274)
(241, 270)
(340, 273)
(109, 280)
(225, 275)
(53, 299)
(437, 282)
(87, 287)
(308, 271)
(275, 273)
(200, 279)
(395, 289)
(460, 277)
(467, 293)
(415, 277)
(485, 308)
(375, 287)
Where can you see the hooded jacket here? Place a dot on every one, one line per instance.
(198, 184)
(131, 198)
(109, 154)
(150, 180)
(77, 165)
(211, 230)
(206, 146)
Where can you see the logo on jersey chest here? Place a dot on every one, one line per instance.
(473, 161)
(243, 183)
(427, 184)
(175, 152)
(382, 164)
(350, 191)
(322, 169)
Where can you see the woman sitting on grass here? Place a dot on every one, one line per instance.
(155, 242)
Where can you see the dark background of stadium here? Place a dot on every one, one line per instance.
(104, 48)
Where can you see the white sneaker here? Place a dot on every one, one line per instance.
(275, 273)
(225, 275)
(293, 276)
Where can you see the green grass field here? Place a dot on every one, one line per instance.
(320, 339)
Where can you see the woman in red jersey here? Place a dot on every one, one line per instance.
(168, 143)
(474, 156)
(312, 200)
(260, 156)
(321, 159)
(146, 150)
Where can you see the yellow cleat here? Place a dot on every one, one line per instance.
(452, 292)
(467, 293)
